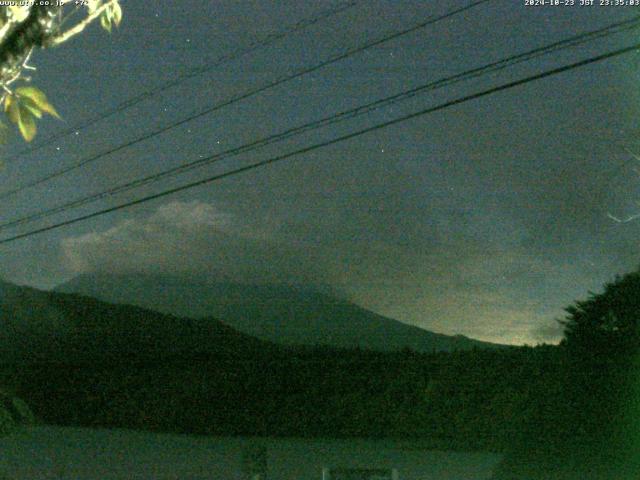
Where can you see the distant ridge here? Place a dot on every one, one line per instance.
(38, 326)
(81, 361)
(284, 314)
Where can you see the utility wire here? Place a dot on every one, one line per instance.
(243, 96)
(333, 119)
(253, 46)
(326, 143)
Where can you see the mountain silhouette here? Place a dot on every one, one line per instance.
(39, 326)
(283, 314)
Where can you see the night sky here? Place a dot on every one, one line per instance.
(484, 219)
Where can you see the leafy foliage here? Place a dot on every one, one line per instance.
(111, 16)
(586, 423)
(607, 323)
(567, 412)
(28, 26)
(24, 106)
(99, 364)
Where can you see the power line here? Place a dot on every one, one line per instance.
(335, 118)
(353, 51)
(316, 146)
(253, 46)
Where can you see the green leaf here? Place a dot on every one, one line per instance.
(36, 98)
(116, 13)
(24, 106)
(27, 124)
(33, 108)
(8, 100)
(23, 118)
(105, 20)
(12, 108)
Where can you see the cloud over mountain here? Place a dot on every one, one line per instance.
(190, 238)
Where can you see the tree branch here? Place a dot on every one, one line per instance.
(80, 26)
(32, 32)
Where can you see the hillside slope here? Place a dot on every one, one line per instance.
(37, 326)
(290, 315)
